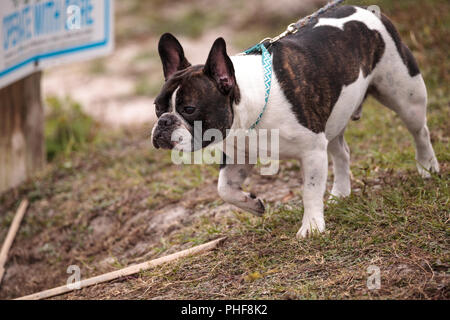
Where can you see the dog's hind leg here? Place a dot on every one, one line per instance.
(231, 178)
(340, 154)
(407, 96)
(398, 84)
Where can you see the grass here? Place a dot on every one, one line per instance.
(67, 127)
(116, 201)
(262, 259)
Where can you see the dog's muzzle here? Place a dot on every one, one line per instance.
(162, 132)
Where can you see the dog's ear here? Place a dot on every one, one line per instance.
(219, 67)
(172, 55)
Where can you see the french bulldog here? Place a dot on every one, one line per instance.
(321, 76)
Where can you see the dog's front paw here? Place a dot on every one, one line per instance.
(311, 226)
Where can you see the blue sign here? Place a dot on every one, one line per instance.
(38, 34)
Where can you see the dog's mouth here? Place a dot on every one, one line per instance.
(163, 132)
(168, 139)
(160, 141)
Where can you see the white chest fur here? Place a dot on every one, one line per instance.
(294, 138)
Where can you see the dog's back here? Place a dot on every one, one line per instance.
(343, 46)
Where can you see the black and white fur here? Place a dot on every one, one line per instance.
(389, 73)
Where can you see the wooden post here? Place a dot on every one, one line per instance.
(22, 149)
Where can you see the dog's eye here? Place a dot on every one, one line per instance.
(188, 110)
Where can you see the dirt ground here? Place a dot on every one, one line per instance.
(118, 201)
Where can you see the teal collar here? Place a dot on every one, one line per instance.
(267, 69)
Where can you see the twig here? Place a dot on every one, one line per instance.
(125, 271)
(11, 235)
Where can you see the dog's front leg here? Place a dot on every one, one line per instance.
(315, 170)
(231, 178)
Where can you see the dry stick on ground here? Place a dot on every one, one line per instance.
(125, 271)
(10, 236)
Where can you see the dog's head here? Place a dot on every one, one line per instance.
(204, 93)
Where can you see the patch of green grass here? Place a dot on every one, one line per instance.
(67, 127)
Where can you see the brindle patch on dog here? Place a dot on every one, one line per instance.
(212, 108)
(314, 64)
(163, 100)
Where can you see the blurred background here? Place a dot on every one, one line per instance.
(107, 199)
(119, 89)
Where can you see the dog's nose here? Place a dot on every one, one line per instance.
(165, 122)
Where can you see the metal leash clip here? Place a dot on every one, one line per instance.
(291, 29)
